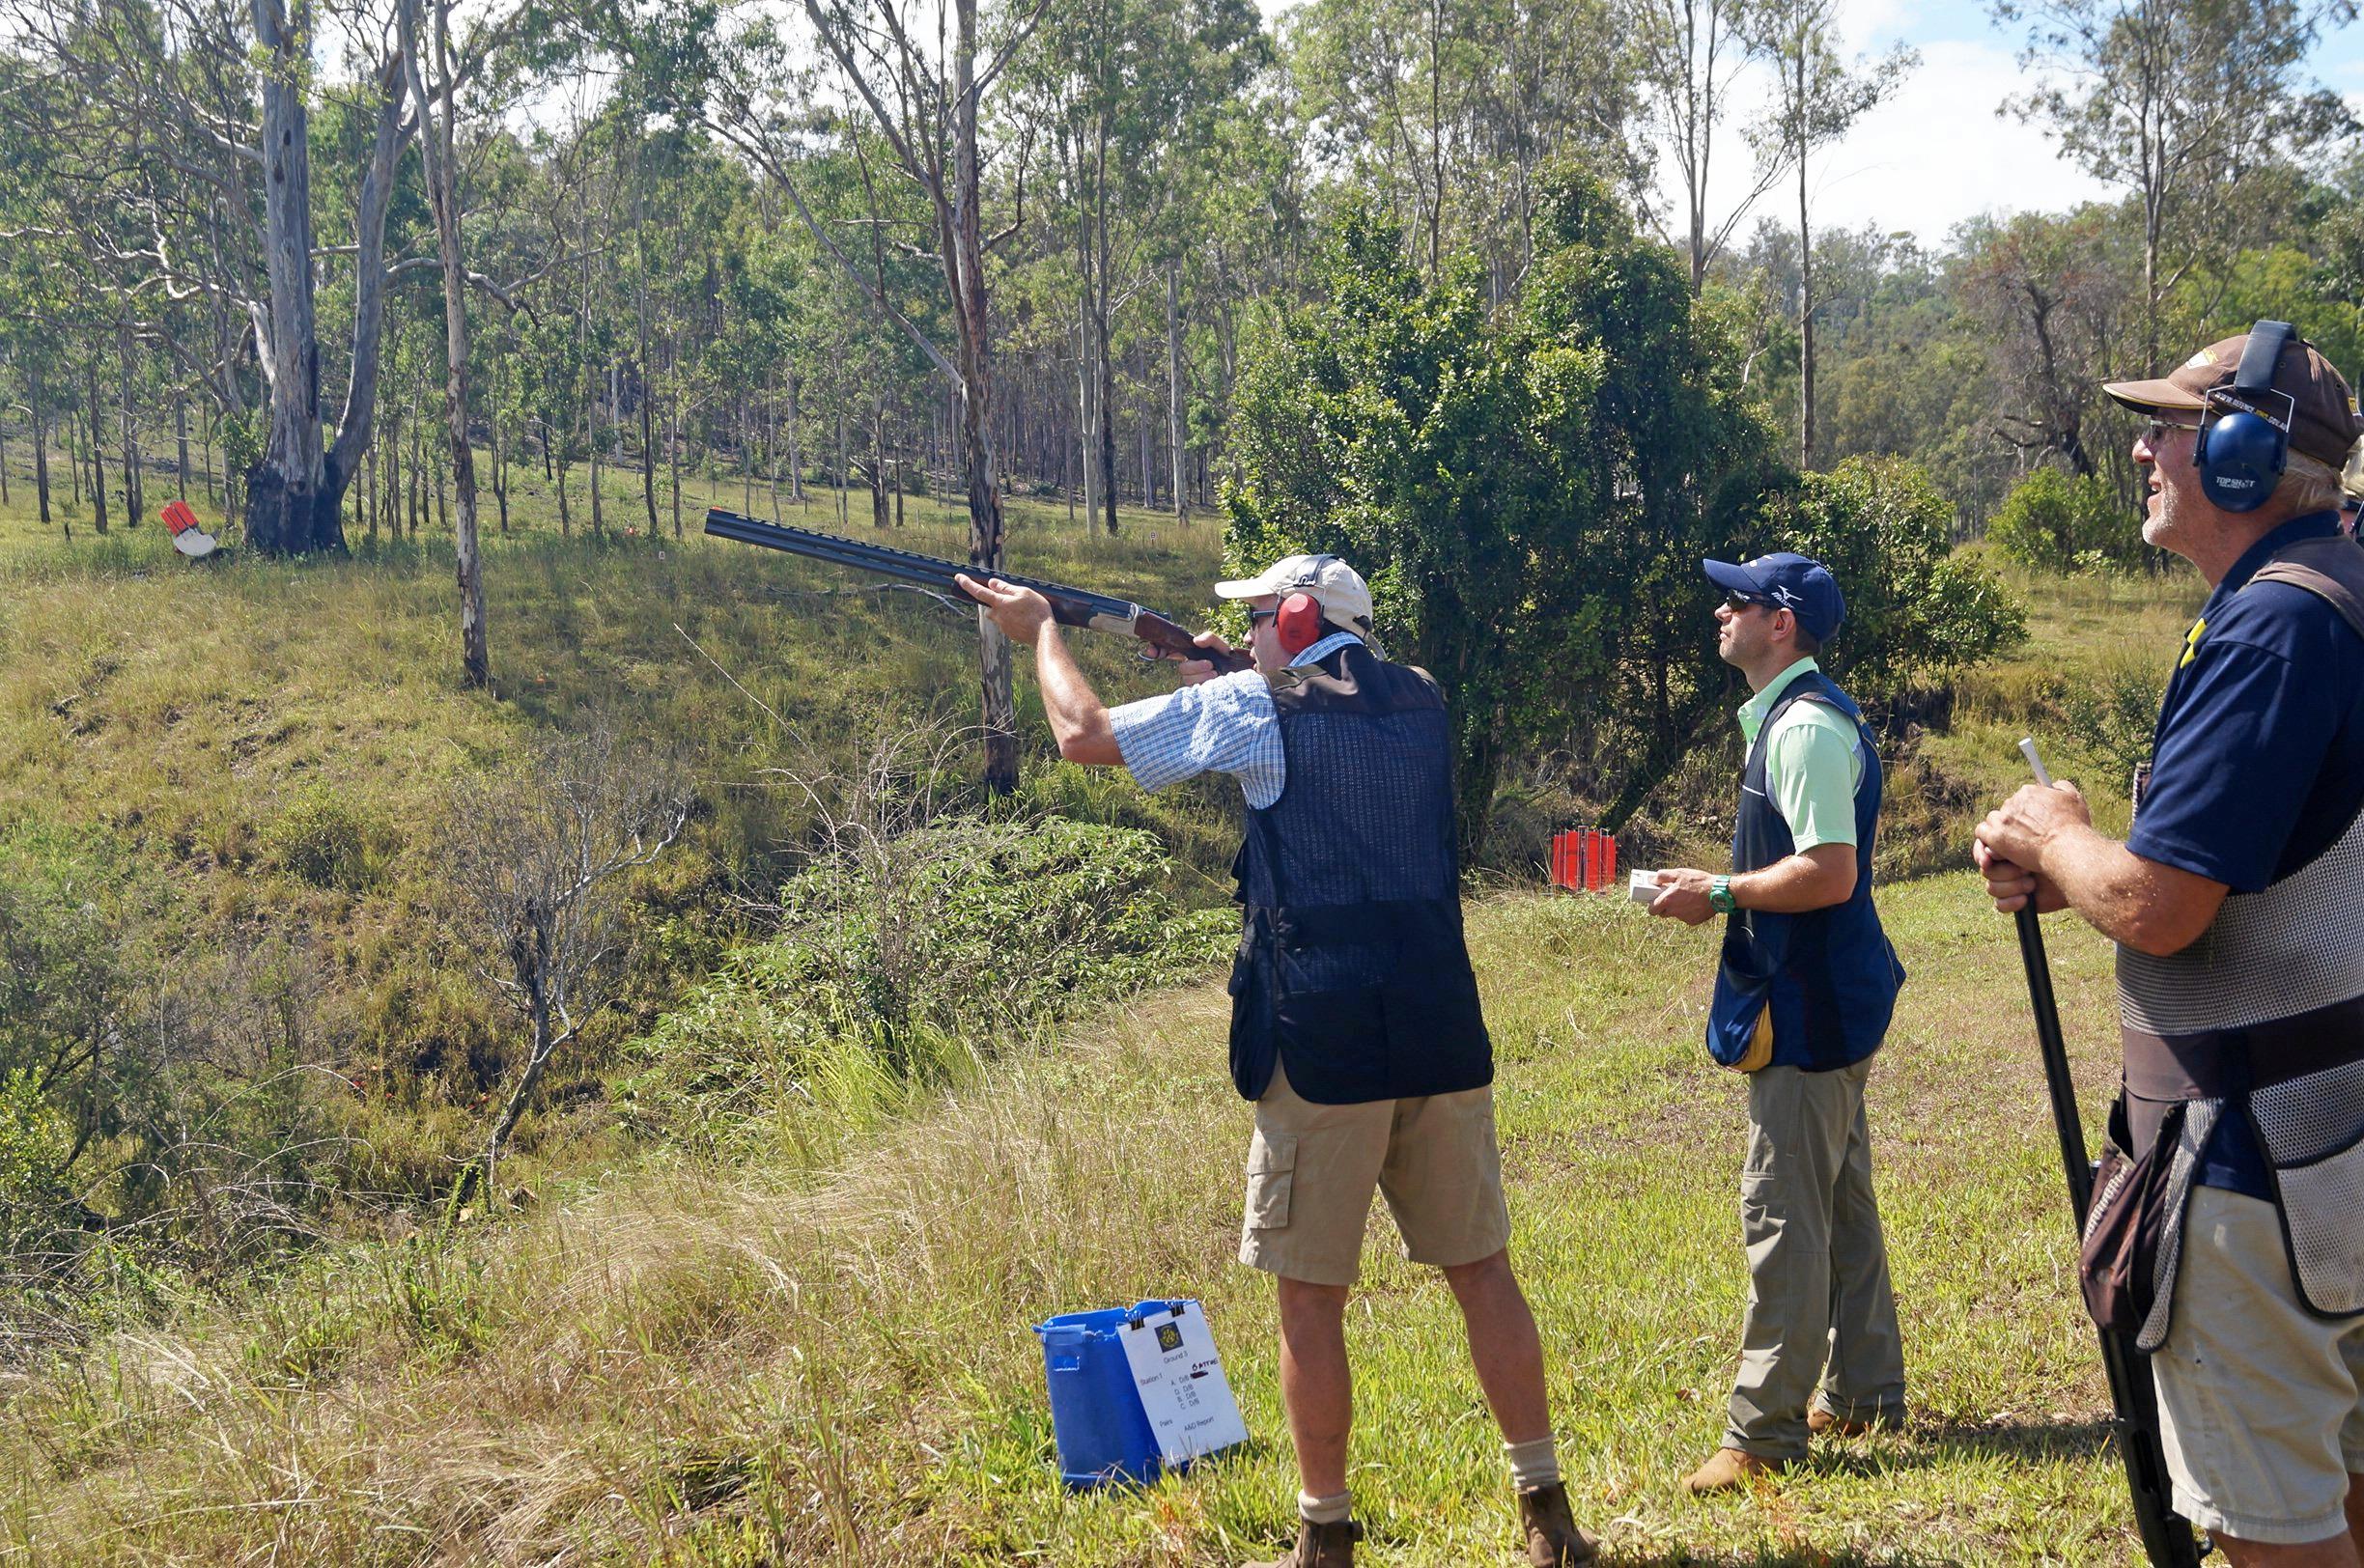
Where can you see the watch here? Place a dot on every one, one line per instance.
(1720, 895)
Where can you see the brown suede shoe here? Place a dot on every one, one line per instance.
(1820, 1422)
(1553, 1540)
(1731, 1468)
(1320, 1546)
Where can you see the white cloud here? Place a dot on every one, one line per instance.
(1932, 156)
(1937, 153)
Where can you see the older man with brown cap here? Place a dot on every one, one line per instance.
(2238, 1134)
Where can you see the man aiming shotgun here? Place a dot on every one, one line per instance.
(2225, 1235)
(1355, 1024)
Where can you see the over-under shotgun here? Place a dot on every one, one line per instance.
(1069, 606)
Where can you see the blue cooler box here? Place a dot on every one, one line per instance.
(1096, 1414)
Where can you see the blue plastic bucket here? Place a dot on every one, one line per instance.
(1096, 1414)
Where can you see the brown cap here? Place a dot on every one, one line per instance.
(2323, 423)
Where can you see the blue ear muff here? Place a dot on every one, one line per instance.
(2243, 447)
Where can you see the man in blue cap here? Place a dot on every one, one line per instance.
(1803, 996)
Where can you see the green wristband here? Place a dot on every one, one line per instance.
(1720, 895)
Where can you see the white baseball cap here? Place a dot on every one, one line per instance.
(1337, 587)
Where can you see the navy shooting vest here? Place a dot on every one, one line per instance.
(1829, 976)
(1351, 970)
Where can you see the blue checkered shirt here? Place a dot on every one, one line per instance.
(1225, 725)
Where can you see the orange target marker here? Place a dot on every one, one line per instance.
(188, 535)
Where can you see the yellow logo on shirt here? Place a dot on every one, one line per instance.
(2192, 642)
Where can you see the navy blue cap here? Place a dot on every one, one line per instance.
(1798, 583)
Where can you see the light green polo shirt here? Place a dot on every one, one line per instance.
(1814, 763)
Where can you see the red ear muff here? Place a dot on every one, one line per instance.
(1298, 623)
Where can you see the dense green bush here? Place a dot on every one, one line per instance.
(2059, 522)
(911, 955)
(1914, 609)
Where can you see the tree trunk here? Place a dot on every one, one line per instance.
(878, 467)
(180, 462)
(40, 444)
(966, 257)
(795, 451)
(135, 497)
(565, 522)
(1087, 397)
(648, 418)
(673, 454)
(97, 451)
(435, 143)
(1174, 387)
(1107, 396)
(1806, 305)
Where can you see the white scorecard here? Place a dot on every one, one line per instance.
(1183, 1389)
(1643, 888)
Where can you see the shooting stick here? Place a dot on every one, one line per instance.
(2166, 1535)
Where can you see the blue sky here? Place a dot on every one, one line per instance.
(1938, 154)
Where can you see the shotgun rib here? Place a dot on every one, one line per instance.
(1069, 606)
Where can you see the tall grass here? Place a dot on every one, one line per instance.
(801, 1360)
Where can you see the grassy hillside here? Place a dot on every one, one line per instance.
(829, 1361)
(807, 1340)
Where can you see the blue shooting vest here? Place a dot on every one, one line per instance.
(1829, 976)
(1352, 972)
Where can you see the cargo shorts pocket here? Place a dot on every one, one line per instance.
(1272, 1172)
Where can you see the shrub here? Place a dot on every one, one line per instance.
(1915, 610)
(2059, 522)
(319, 840)
(894, 966)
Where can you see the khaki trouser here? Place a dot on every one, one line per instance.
(1821, 1320)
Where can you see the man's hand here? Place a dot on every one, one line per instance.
(1021, 613)
(1194, 671)
(2012, 842)
(1682, 895)
(2010, 886)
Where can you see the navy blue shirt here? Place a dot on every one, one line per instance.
(2258, 758)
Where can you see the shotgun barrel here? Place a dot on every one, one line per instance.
(1069, 606)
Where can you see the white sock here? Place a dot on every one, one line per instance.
(1315, 1510)
(1533, 1464)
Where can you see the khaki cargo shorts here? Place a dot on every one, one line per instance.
(1312, 1170)
(2259, 1404)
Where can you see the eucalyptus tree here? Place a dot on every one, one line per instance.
(1686, 55)
(1819, 99)
(1448, 109)
(195, 116)
(919, 70)
(2178, 102)
(1129, 104)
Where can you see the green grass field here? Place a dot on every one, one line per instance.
(818, 1349)
(831, 1362)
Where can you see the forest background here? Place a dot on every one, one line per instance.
(476, 832)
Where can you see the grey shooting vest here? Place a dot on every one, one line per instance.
(2263, 1016)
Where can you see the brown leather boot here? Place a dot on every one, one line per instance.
(1320, 1546)
(1553, 1540)
(1731, 1468)
(1820, 1422)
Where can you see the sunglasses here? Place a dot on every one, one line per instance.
(1258, 618)
(1736, 599)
